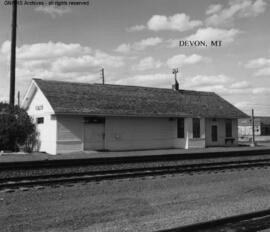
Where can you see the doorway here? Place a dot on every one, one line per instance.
(214, 133)
(94, 133)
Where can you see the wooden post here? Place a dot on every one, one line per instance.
(253, 143)
(13, 54)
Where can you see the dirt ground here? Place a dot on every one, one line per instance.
(144, 204)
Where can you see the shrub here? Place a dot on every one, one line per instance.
(15, 127)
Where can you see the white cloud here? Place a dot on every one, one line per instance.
(140, 45)
(261, 64)
(180, 60)
(152, 80)
(261, 90)
(60, 61)
(240, 85)
(177, 22)
(236, 8)
(147, 63)
(263, 72)
(213, 9)
(136, 28)
(53, 10)
(209, 33)
(149, 42)
(123, 48)
(204, 80)
(258, 63)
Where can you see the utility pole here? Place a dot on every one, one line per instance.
(102, 76)
(13, 54)
(253, 143)
(19, 98)
(176, 85)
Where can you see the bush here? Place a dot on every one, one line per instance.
(15, 127)
(32, 142)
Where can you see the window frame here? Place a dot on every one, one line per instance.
(228, 128)
(196, 128)
(180, 128)
(40, 120)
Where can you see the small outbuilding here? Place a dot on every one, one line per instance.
(74, 117)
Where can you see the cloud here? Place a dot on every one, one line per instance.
(60, 61)
(213, 9)
(152, 80)
(261, 90)
(50, 50)
(123, 48)
(147, 63)
(204, 80)
(149, 42)
(220, 84)
(180, 60)
(240, 85)
(177, 22)
(258, 63)
(236, 9)
(262, 66)
(136, 28)
(140, 45)
(53, 10)
(209, 33)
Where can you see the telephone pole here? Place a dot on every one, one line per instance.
(102, 76)
(253, 143)
(13, 54)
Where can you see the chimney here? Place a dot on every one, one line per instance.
(176, 84)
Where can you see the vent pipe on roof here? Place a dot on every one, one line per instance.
(176, 84)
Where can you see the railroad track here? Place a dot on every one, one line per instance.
(255, 221)
(56, 179)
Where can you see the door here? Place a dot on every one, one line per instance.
(214, 133)
(94, 134)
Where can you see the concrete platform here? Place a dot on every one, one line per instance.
(26, 157)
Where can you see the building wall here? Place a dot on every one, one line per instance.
(40, 107)
(128, 133)
(131, 133)
(122, 133)
(247, 130)
(220, 123)
(70, 132)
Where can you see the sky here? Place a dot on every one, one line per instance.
(137, 43)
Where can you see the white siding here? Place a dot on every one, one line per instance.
(69, 134)
(221, 132)
(40, 107)
(122, 133)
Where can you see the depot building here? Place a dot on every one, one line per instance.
(73, 117)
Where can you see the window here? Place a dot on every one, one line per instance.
(228, 128)
(88, 120)
(196, 128)
(40, 120)
(214, 133)
(180, 128)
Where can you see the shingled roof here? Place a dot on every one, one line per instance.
(120, 100)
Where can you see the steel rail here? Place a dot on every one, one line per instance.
(254, 221)
(17, 182)
(129, 159)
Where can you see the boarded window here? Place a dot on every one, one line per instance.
(228, 128)
(196, 128)
(40, 120)
(214, 133)
(88, 120)
(180, 128)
